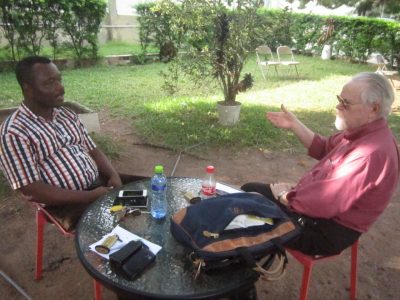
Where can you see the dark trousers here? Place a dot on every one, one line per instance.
(125, 178)
(68, 215)
(317, 236)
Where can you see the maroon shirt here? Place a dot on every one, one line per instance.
(355, 178)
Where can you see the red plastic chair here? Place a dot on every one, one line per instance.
(308, 262)
(43, 217)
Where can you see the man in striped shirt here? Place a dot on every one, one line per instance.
(45, 151)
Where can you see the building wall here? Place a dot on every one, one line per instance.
(120, 23)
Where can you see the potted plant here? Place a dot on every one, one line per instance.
(219, 37)
(324, 39)
(228, 56)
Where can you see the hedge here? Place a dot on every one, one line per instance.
(353, 38)
(26, 24)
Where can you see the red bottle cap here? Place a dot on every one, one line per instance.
(210, 169)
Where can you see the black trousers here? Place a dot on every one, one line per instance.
(68, 215)
(317, 236)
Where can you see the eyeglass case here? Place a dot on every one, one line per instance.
(138, 262)
(132, 259)
(119, 257)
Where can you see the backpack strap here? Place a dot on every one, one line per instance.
(275, 274)
(264, 264)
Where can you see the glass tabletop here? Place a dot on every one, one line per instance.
(172, 275)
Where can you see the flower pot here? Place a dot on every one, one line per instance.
(326, 52)
(228, 115)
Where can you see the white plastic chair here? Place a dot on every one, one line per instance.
(265, 59)
(382, 69)
(286, 58)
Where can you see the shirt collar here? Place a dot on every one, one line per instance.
(30, 114)
(365, 129)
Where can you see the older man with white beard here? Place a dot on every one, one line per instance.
(357, 173)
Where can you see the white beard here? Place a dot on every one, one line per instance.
(340, 123)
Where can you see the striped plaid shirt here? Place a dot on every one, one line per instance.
(56, 152)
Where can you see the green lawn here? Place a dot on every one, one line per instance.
(189, 117)
(110, 48)
(118, 48)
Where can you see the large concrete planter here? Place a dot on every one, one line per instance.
(89, 118)
(326, 52)
(228, 115)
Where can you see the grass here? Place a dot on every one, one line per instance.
(189, 116)
(109, 48)
(119, 48)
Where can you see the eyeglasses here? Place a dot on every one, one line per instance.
(346, 102)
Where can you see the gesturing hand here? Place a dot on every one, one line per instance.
(284, 119)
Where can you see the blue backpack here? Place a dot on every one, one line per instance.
(206, 228)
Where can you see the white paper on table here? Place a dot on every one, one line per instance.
(227, 189)
(125, 237)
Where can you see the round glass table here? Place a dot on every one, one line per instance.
(172, 274)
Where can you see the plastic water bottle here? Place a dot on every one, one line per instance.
(208, 185)
(158, 193)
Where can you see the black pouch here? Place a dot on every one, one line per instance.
(119, 257)
(131, 259)
(138, 262)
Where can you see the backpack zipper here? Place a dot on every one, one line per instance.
(209, 234)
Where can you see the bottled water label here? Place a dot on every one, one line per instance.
(158, 213)
(156, 187)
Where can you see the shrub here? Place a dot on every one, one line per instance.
(81, 21)
(27, 23)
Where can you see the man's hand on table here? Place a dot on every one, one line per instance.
(100, 191)
(114, 181)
